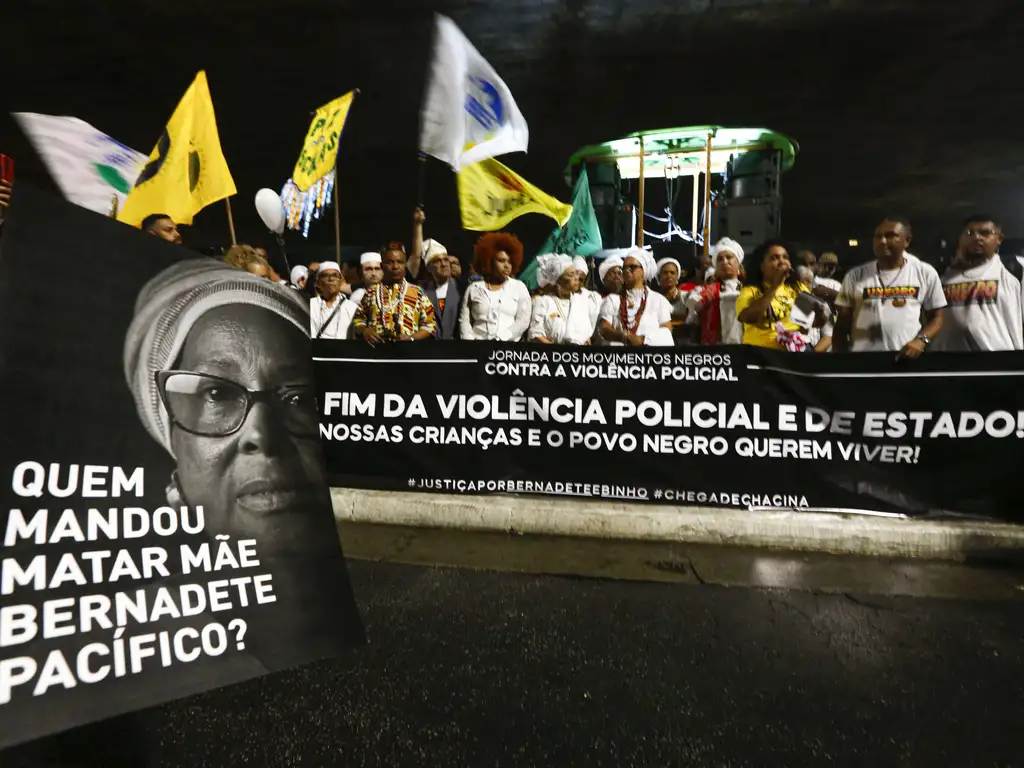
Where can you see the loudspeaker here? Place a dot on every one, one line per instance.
(605, 184)
(603, 174)
(748, 221)
(616, 224)
(754, 174)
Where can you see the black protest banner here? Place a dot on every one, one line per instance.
(168, 528)
(732, 427)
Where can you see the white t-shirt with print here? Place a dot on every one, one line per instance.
(983, 312)
(887, 304)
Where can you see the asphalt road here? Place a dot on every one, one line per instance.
(473, 668)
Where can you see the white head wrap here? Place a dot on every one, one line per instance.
(368, 258)
(646, 261)
(552, 266)
(607, 265)
(327, 266)
(581, 264)
(298, 273)
(668, 260)
(432, 249)
(730, 245)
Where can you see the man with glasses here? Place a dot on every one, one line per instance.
(881, 302)
(984, 312)
(330, 313)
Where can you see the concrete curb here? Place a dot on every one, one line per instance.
(797, 531)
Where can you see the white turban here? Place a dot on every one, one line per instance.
(327, 266)
(581, 264)
(668, 260)
(298, 273)
(730, 245)
(432, 249)
(646, 261)
(607, 265)
(552, 266)
(369, 258)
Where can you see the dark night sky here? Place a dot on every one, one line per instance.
(913, 106)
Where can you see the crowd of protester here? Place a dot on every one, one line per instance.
(775, 297)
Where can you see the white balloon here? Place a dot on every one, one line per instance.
(270, 209)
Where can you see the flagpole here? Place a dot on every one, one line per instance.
(113, 206)
(337, 207)
(231, 221)
(421, 175)
(707, 199)
(640, 229)
(337, 218)
(694, 221)
(421, 179)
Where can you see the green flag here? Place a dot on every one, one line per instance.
(580, 236)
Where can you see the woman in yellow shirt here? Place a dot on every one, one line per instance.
(765, 303)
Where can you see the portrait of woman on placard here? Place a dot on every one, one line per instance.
(218, 362)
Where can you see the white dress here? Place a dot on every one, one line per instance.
(502, 315)
(657, 312)
(564, 321)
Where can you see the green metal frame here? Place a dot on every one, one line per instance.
(683, 151)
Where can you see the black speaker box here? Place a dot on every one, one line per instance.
(748, 221)
(754, 174)
(616, 224)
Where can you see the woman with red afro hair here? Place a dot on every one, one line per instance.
(498, 307)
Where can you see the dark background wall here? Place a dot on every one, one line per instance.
(912, 106)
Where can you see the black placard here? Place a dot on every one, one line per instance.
(116, 594)
(735, 427)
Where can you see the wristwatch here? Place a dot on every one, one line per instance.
(925, 339)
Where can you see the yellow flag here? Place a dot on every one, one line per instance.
(320, 149)
(491, 195)
(186, 171)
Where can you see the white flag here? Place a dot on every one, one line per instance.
(468, 114)
(88, 166)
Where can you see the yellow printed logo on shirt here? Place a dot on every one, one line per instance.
(972, 292)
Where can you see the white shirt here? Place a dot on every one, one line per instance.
(441, 291)
(732, 328)
(984, 309)
(817, 334)
(657, 312)
(502, 315)
(357, 296)
(593, 297)
(832, 284)
(564, 321)
(336, 326)
(887, 304)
